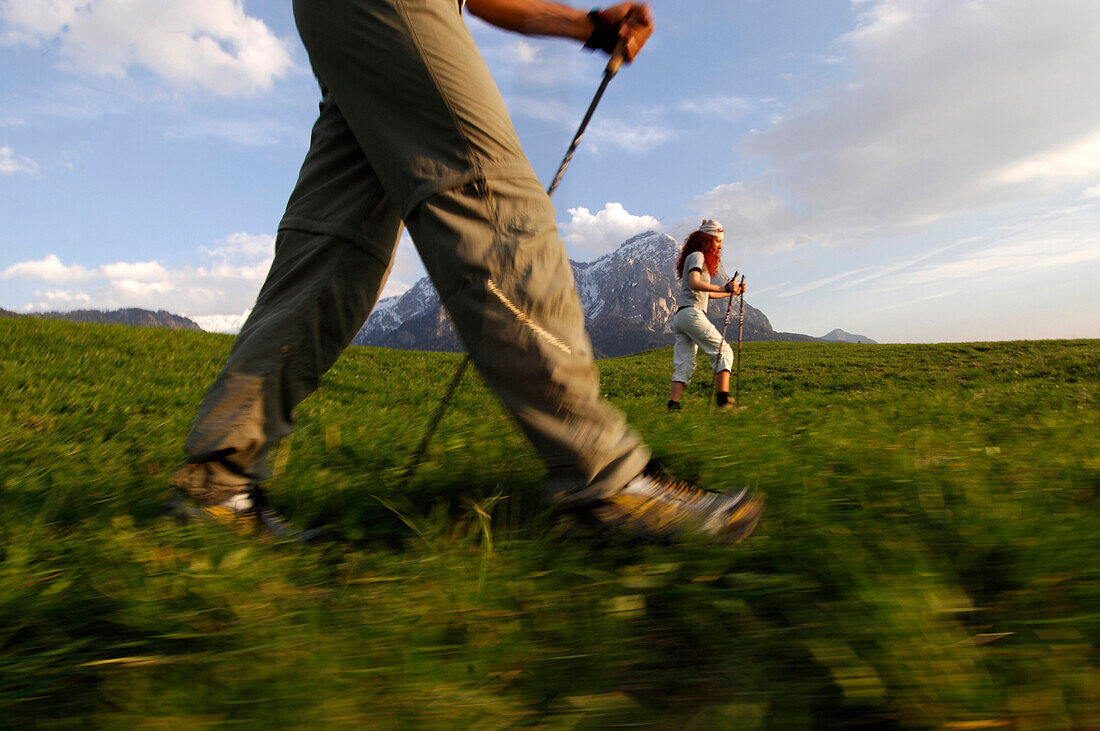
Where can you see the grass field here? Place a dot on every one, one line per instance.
(930, 557)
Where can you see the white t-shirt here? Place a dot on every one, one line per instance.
(688, 297)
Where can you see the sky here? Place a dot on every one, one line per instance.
(908, 170)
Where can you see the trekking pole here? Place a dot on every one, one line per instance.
(725, 324)
(740, 330)
(609, 72)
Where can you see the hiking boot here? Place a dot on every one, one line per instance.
(657, 505)
(246, 512)
(674, 406)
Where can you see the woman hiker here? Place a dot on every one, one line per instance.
(413, 133)
(698, 262)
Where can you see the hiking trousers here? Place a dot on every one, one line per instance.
(692, 330)
(412, 130)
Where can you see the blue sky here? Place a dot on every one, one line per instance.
(910, 170)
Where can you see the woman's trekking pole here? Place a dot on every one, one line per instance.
(725, 324)
(609, 72)
(740, 331)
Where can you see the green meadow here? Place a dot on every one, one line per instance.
(930, 556)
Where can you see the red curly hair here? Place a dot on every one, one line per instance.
(699, 241)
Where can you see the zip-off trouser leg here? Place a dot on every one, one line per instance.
(412, 127)
(692, 329)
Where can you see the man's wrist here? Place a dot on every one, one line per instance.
(604, 35)
(583, 25)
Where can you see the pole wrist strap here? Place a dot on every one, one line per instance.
(605, 34)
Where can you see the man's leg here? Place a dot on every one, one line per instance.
(426, 112)
(332, 256)
(493, 252)
(422, 105)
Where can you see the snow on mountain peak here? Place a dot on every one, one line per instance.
(226, 324)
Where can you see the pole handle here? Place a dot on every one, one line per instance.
(615, 61)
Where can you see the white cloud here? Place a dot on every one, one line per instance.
(407, 268)
(634, 139)
(1076, 161)
(142, 271)
(754, 212)
(142, 289)
(242, 244)
(525, 61)
(717, 105)
(1065, 239)
(50, 269)
(394, 288)
(544, 110)
(1020, 256)
(247, 132)
(588, 235)
(61, 300)
(949, 108)
(807, 287)
(227, 282)
(11, 165)
(526, 53)
(878, 272)
(212, 45)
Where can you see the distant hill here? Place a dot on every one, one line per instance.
(629, 297)
(840, 336)
(132, 316)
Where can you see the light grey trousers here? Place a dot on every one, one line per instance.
(691, 331)
(412, 129)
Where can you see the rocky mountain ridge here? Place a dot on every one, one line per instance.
(628, 296)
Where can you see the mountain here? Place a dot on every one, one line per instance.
(840, 336)
(129, 316)
(221, 323)
(629, 297)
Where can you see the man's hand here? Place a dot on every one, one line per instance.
(631, 22)
(635, 26)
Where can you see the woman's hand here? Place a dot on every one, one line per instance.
(716, 291)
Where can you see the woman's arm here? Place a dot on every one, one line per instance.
(696, 283)
(549, 18)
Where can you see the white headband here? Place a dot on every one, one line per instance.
(712, 227)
